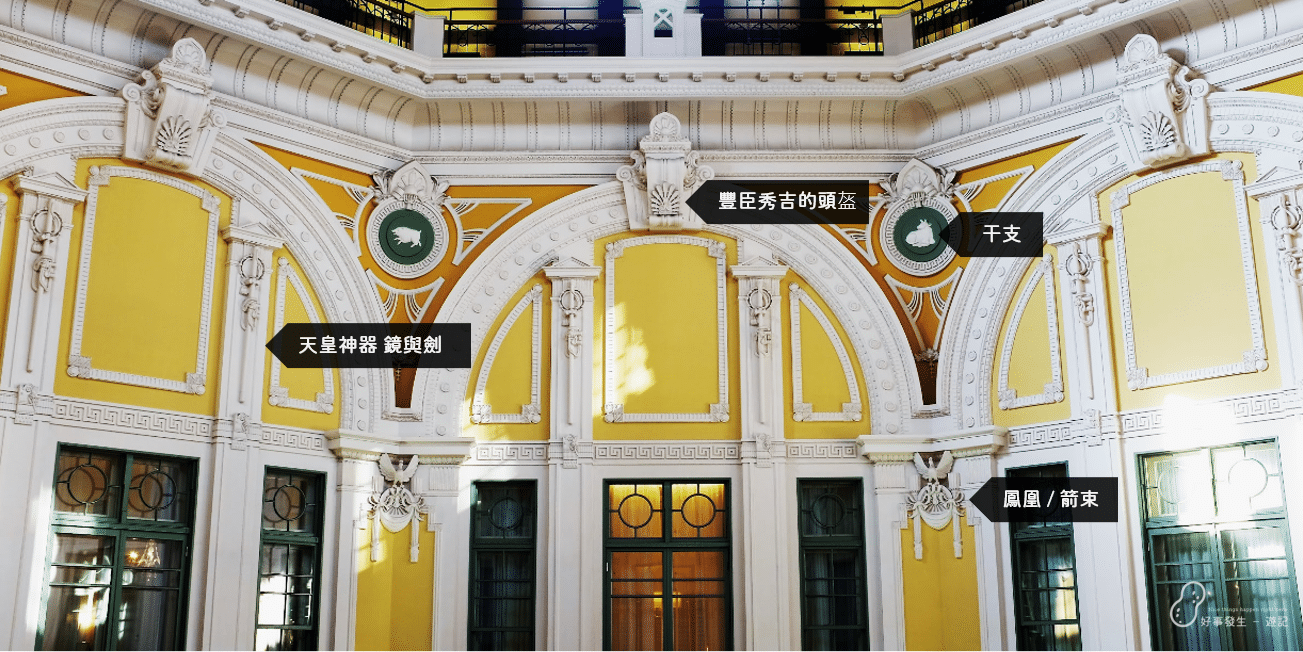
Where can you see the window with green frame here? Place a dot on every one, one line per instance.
(119, 561)
(502, 585)
(1221, 576)
(1045, 576)
(668, 539)
(289, 564)
(834, 593)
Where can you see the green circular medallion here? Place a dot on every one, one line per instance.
(917, 234)
(406, 236)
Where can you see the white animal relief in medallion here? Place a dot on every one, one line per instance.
(922, 236)
(403, 235)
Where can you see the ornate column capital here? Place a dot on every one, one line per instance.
(970, 442)
(1279, 192)
(249, 260)
(253, 235)
(1095, 231)
(49, 185)
(571, 268)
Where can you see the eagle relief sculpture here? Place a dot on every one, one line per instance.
(395, 506)
(935, 503)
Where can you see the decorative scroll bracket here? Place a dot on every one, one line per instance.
(170, 123)
(664, 173)
(1163, 115)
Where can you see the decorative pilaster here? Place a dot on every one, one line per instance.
(973, 467)
(891, 485)
(1094, 400)
(376, 490)
(248, 292)
(1086, 327)
(40, 269)
(572, 352)
(1280, 203)
(571, 446)
(238, 464)
(964, 460)
(356, 472)
(760, 330)
(762, 490)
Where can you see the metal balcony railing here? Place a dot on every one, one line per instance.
(532, 32)
(387, 21)
(754, 27)
(953, 16)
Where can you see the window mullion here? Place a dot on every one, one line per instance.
(115, 589)
(667, 598)
(124, 497)
(1219, 576)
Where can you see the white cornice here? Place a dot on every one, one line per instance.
(988, 91)
(355, 445)
(972, 441)
(1024, 34)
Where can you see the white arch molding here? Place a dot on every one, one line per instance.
(1066, 189)
(570, 226)
(267, 194)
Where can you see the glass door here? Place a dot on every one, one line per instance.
(667, 566)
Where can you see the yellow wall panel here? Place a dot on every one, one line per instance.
(1188, 299)
(1291, 85)
(22, 90)
(302, 384)
(1029, 364)
(941, 608)
(145, 291)
(1029, 367)
(665, 329)
(823, 382)
(291, 160)
(995, 192)
(158, 312)
(508, 386)
(666, 340)
(395, 597)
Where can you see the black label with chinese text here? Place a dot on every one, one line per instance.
(1048, 500)
(353, 346)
